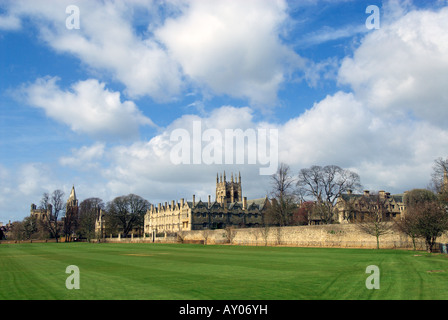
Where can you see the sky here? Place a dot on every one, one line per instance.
(138, 96)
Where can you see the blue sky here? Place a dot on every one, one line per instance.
(94, 107)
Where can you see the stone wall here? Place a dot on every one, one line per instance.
(337, 235)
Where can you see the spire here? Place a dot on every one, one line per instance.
(72, 194)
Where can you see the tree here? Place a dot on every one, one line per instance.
(89, 211)
(55, 203)
(30, 226)
(439, 176)
(429, 219)
(410, 220)
(283, 202)
(407, 225)
(373, 217)
(324, 185)
(70, 222)
(439, 179)
(418, 196)
(127, 212)
(303, 213)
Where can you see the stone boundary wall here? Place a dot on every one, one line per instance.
(337, 235)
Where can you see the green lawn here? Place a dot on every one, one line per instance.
(169, 271)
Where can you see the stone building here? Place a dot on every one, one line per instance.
(229, 208)
(100, 223)
(40, 214)
(71, 214)
(71, 208)
(351, 207)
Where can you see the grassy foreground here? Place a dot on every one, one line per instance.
(170, 271)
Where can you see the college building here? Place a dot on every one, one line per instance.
(229, 209)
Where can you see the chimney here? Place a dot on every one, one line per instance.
(366, 193)
(349, 191)
(194, 202)
(382, 194)
(244, 203)
(209, 201)
(172, 205)
(181, 202)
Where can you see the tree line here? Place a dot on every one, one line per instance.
(124, 214)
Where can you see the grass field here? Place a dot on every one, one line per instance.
(170, 271)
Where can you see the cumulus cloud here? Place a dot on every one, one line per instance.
(401, 69)
(226, 47)
(232, 47)
(87, 108)
(85, 158)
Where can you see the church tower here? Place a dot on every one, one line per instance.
(228, 191)
(71, 214)
(72, 201)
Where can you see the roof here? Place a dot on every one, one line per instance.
(347, 197)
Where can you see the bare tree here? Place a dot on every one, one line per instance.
(127, 212)
(439, 176)
(324, 185)
(374, 217)
(54, 204)
(283, 202)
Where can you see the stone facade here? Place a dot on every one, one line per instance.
(71, 208)
(40, 214)
(351, 207)
(230, 209)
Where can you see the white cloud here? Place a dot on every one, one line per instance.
(87, 108)
(401, 69)
(32, 178)
(9, 22)
(232, 47)
(85, 158)
(224, 47)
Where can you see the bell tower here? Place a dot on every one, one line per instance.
(71, 212)
(228, 191)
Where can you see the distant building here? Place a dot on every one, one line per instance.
(350, 207)
(39, 213)
(229, 209)
(71, 214)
